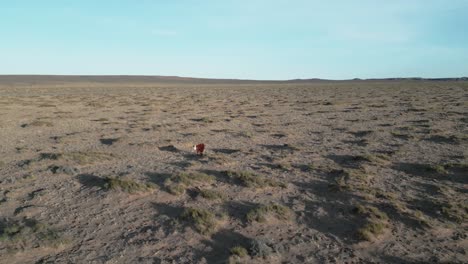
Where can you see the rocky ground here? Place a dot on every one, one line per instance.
(319, 172)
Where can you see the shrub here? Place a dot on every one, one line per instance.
(435, 169)
(260, 248)
(375, 222)
(26, 231)
(261, 213)
(284, 166)
(456, 212)
(375, 158)
(249, 179)
(82, 158)
(129, 186)
(239, 251)
(211, 195)
(41, 123)
(203, 220)
(370, 212)
(176, 189)
(371, 230)
(176, 184)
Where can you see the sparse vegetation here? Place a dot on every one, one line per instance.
(202, 220)
(203, 119)
(28, 231)
(206, 120)
(249, 179)
(459, 166)
(292, 147)
(360, 175)
(189, 178)
(456, 212)
(450, 139)
(88, 157)
(339, 184)
(370, 230)
(29, 177)
(39, 123)
(350, 179)
(419, 216)
(239, 251)
(126, 185)
(82, 158)
(375, 222)
(375, 158)
(47, 105)
(211, 194)
(284, 166)
(246, 134)
(101, 119)
(370, 212)
(307, 167)
(175, 188)
(401, 208)
(435, 169)
(398, 134)
(260, 248)
(409, 188)
(178, 183)
(362, 133)
(261, 213)
(222, 159)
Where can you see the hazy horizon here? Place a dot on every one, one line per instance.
(215, 78)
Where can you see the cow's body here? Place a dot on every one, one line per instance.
(199, 148)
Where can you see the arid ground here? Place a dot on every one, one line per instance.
(101, 170)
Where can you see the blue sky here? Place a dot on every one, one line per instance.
(248, 39)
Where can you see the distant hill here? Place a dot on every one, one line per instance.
(141, 79)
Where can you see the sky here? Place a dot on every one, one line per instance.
(243, 39)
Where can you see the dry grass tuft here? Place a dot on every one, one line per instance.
(129, 186)
(81, 158)
(261, 213)
(456, 212)
(239, 251)
(375, 158)
(27, 231)
(212, 194)
(371, 230)
(249, 179)
(350, 180)
(177, 184)
(39, 123)
(375, 220)
(203, 220)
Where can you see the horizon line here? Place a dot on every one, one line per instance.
(234, 79)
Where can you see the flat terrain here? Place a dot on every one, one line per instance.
(102, 171)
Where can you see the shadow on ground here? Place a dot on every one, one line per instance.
(90, 181)
(428, 171)
(220, 244)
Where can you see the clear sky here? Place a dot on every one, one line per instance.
(248, 39)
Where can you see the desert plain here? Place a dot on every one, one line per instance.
(101, 170)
